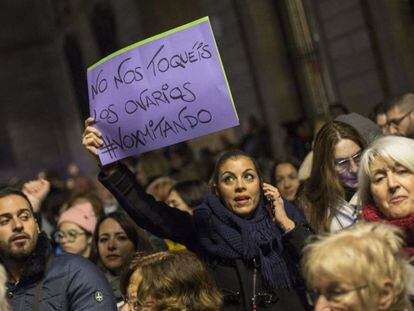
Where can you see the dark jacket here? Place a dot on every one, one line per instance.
(70, 282)
(233, 277)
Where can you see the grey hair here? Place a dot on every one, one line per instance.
(388, 149)
(4, 305)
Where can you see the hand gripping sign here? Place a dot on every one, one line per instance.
(160, 91)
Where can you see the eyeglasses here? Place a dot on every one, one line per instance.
(346, 163)
(71, 235)
(331, 295)
(396, 122)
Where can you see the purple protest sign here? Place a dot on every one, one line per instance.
(160, 91)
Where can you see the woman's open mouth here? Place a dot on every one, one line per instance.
(242, 200)
(112, 257)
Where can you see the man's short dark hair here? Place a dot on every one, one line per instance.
(404, 101)
(5, 192)
(378, 109)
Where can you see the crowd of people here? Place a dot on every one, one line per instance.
(225, 230)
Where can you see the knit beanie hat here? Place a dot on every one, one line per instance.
(81, 214)
(366, 128)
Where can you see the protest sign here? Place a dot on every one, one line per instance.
(160, 91)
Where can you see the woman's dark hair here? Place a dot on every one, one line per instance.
(5, 192)
(231, 154)
(192, 192)
(283, 160)
(136, 235)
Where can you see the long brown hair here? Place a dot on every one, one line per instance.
(323, 190)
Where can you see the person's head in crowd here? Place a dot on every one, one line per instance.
(75, 229)
(206, 160)
(386, 184)
(18, 227)
(187, 195)
(336, 109)
(174, 281)
(319, 122)
(88, 197)
(109, 203)
(55, 178)
(229, 168)
(16, 243)
(379, 116)
(4, 306)
(284, 175)
(79, 184)
(115, 241)
(362, 268)
(400, 115)
(52, 205)
(305, 167)
(160, 188)
(179, 155)
(150, 166)
(251, 124)
(334, 176)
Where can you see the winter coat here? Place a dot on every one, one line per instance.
(70, 282)
(234, 278)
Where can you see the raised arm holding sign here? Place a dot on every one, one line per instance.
(158, 92)
(169, 89)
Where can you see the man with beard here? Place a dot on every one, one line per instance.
(400, 115)
(39, 280)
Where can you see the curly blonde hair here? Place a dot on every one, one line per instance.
(368, 253)
(176, 281)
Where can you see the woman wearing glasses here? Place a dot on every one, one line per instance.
(75, 229)
(362, 268)
(329, 198)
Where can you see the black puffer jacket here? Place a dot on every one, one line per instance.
(234, 278)
(69, 283)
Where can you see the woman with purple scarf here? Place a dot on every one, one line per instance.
(248, 236)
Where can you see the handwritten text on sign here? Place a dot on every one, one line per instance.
(161, 91)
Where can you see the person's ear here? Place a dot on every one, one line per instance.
(37, 226)
(215, 189)
(386, 296)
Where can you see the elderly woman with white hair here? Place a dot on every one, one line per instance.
(361, 268)
(386, 185)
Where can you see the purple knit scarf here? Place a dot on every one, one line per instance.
(223, 234)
